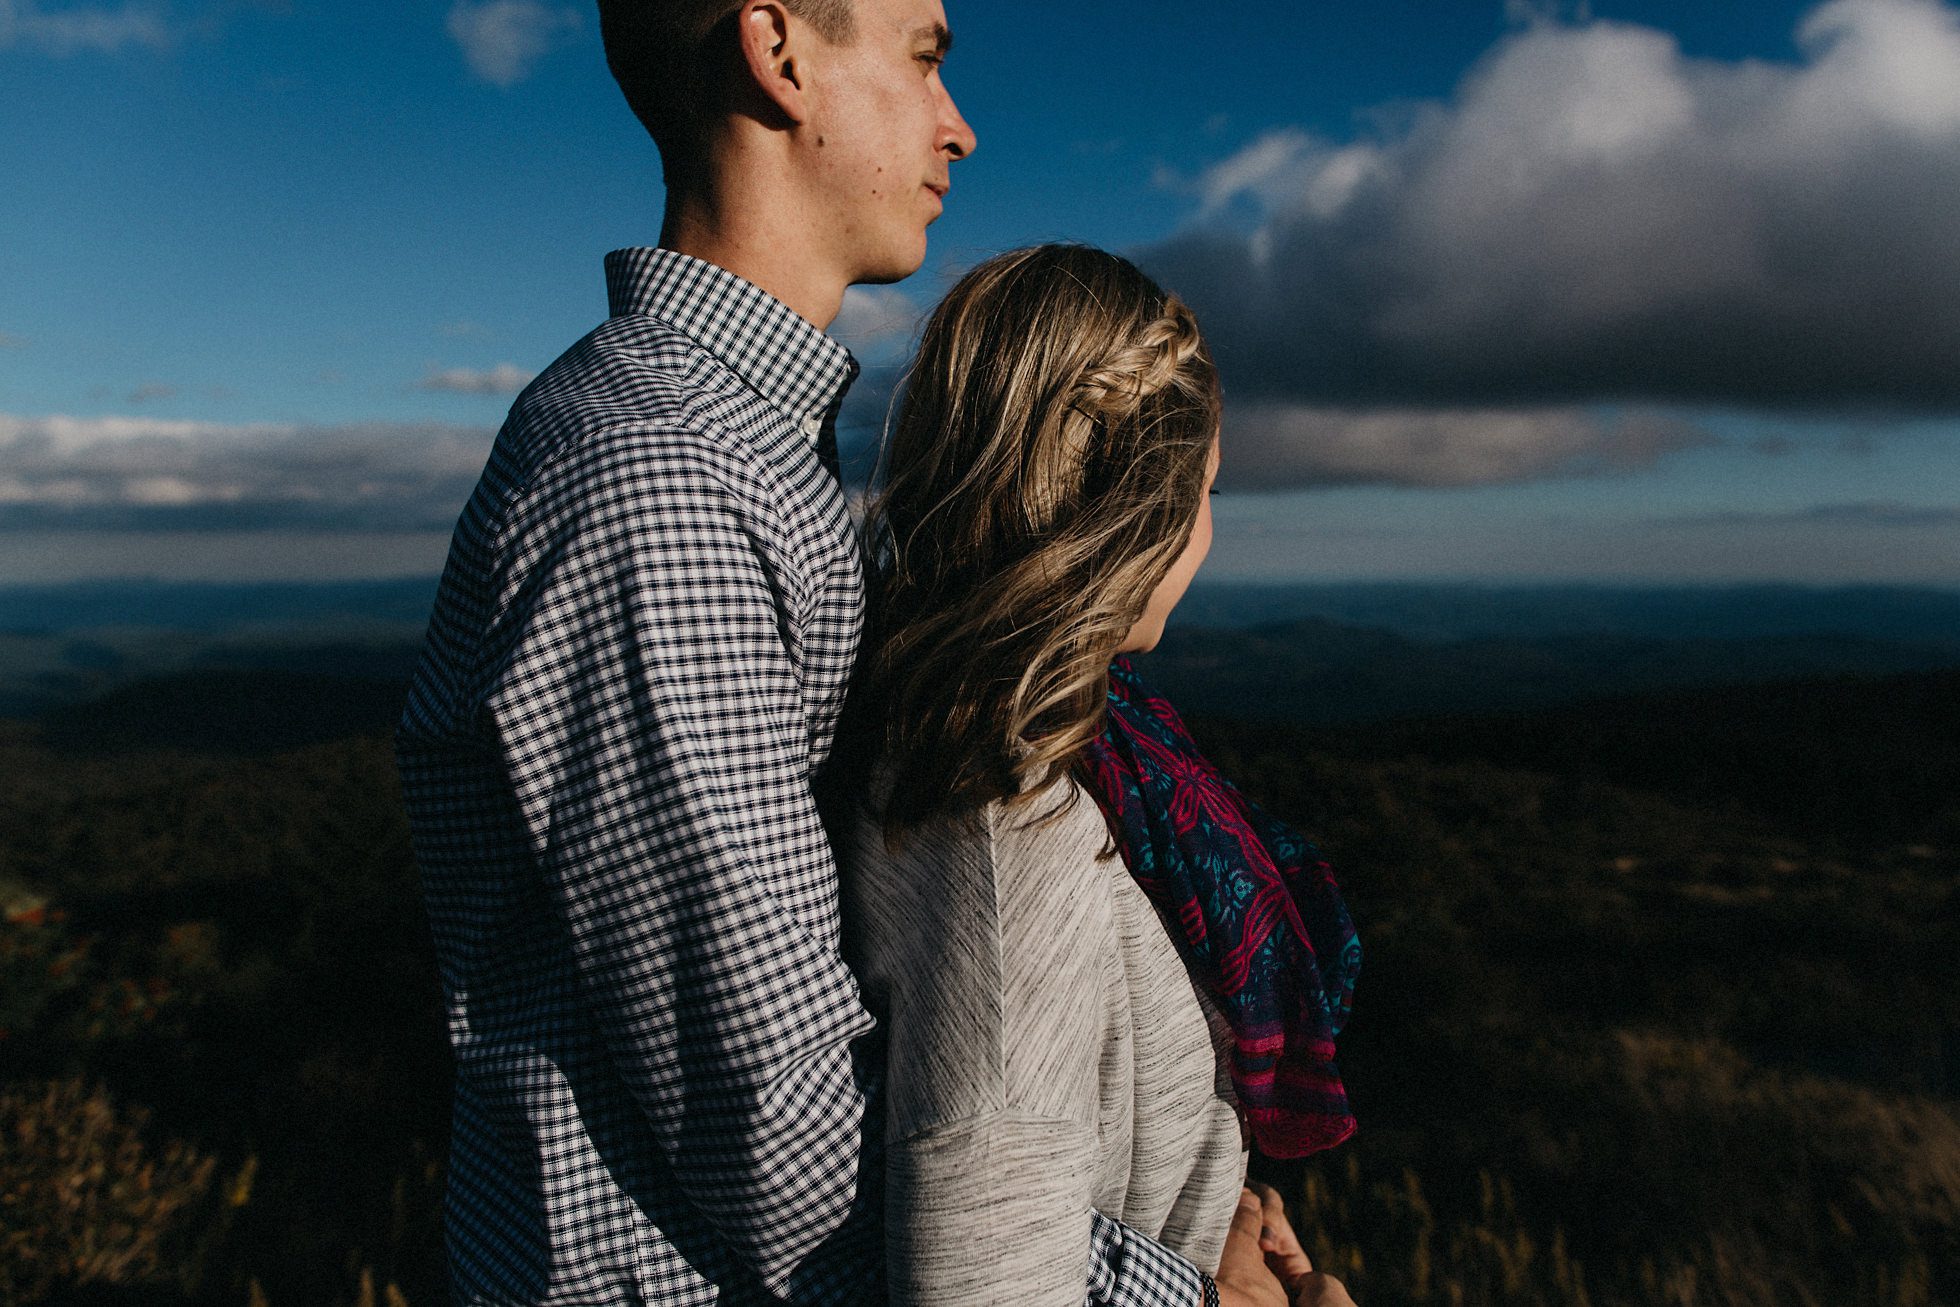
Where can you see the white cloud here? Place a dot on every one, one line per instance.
(1253, 170)
(504, 379)
(1596, 216)
(1277, 446)
(502, 40)
(1886, 63)
(871, 314)
(153, 472)
(77, 28)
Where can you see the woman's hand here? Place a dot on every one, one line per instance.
(1244, 1276)
(1287, 1260)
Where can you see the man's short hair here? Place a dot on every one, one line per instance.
(671, 58)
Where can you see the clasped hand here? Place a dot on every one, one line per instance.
(1263, 1264)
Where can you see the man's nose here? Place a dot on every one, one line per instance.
(956, 138)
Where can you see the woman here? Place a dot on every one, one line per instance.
(1053, 1047)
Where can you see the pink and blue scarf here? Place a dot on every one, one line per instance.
(1252, 906)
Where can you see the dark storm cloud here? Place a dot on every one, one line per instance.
(120, 473)
(1271, 446)
(1279, 446)
(1596, 217)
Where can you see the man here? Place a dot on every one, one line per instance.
(664, 1076)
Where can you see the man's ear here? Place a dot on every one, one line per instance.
(773, 44)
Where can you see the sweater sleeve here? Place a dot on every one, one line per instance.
(989, 945)
(988, 1211)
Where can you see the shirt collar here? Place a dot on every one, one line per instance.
(779, 353)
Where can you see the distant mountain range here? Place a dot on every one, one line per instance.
(213, 608)
(1313, 654)
(40, 673)
(1429, 611)
(1434, 612)
(1839, 759)
(1322, 672)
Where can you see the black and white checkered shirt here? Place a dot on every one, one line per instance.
(665, 1080)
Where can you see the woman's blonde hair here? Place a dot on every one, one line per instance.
(1044, 473)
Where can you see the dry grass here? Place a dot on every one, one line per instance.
(1611, 1050)
(1722, 1183)
(88, 1199)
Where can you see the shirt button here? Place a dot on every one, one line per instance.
(812, 426)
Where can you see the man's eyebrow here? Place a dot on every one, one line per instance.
(938, 34)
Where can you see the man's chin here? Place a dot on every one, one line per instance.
(895, 267)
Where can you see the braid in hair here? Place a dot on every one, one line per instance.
(1110, 398)
(1140, 367)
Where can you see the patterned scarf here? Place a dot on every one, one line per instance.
(1257, 914)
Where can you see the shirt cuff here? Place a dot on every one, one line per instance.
(1128, 1269)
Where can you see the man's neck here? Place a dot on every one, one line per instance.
(759, 242)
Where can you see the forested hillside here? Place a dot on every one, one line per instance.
(1624, 1034)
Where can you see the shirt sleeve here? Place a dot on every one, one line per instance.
(648, 715)
(1128, 1269)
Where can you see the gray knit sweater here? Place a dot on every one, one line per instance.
(1049, 1053)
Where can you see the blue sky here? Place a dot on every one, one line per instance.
(1650, 291)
